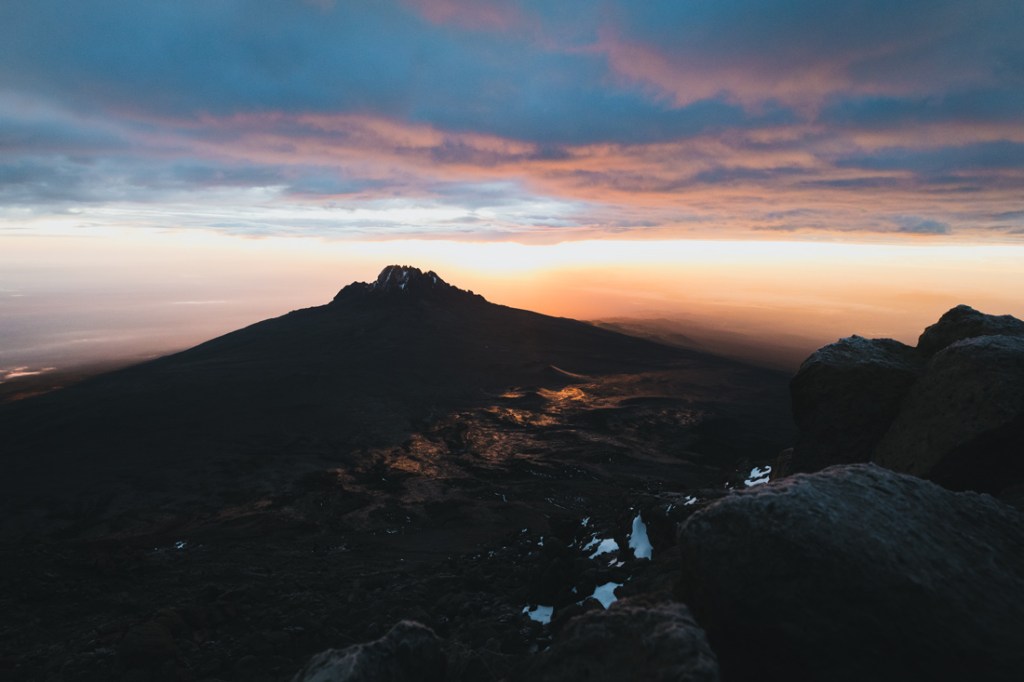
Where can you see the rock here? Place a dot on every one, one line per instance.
(147, 645)
(858, 573)
(408, 652)
(962, 424)
(846, 395)
(964, 322)
(629, 641)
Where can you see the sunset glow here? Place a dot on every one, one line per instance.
(169, 172)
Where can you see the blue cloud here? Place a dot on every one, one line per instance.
(924, 43)
(184, 59)
(919, 225)
(973, 107)
(936, 162)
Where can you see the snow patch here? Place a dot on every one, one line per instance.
(606, 594)
(607, 545)
(541, 614)
(758, 476)
(638, 540)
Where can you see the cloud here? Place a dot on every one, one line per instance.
(919, 225)
(941, 160)
(804, 50)
(517, 117)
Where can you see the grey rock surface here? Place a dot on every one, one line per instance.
(845, 396)
(964, 322)
(410, 652)
(858, 573)
(962, 424)
(632, 640)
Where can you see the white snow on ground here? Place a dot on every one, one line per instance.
(585, 521)
(607, 545)
(541, 614)
(638, 540)
(758, 476)
(690, 499)
(605, 594)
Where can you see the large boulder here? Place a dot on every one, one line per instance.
(964, 322)
(846, 395)
(858, 573)
(410, 652)
(962, 424)
(630, 641)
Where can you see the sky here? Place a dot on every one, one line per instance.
(485, 136)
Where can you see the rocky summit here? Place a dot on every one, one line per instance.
(404, 282)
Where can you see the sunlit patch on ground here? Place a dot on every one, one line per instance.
(420, 456)
(522, 417)
(564, 396)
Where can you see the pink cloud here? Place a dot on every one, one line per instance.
(470, 14)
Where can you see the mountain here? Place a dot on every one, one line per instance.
(260, 406)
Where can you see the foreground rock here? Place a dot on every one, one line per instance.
(410, 652)
(964, 322)
(846, 395)
(629, 641)
(950, 410)
(858, 573)
(962, 424)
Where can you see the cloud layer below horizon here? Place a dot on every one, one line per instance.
(519, 120)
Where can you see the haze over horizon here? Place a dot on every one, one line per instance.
(171, 171)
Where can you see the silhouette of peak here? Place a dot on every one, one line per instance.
(406, 278)
(403, 282)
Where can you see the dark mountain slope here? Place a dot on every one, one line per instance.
(285, 395)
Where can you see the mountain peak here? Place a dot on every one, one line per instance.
(401, 282)
(406, 278)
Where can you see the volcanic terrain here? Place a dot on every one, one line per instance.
(408, 450)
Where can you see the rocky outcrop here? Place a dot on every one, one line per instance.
(402, 283)
(962, 423)
(951, 410)
(629, 641)
(410, 652)
(858, 573)
(846, 395)
(964, 322)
